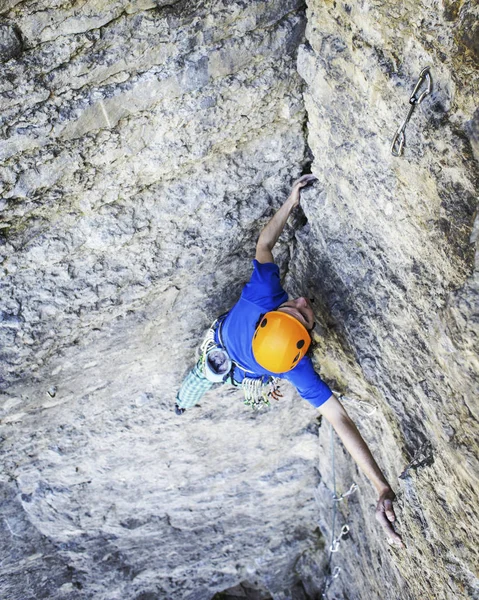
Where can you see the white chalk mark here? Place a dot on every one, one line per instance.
(105, 114)
(10, 529)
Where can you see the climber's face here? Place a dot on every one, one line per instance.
(300, 309)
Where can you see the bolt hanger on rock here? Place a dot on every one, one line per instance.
(399, 140)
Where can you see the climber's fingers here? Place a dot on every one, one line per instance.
(385, 516)
(304, 180)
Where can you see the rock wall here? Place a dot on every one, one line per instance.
(391, 254)
(143, 146)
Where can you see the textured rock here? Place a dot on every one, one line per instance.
(104, 133)
(143, 146)
(390, 253)
(142, 150)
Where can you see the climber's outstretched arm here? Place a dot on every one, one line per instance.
(336, 414)
(270, 234)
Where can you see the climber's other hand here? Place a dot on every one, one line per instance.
(300, 183)
(386, 517)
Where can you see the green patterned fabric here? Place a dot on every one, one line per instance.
(193, 387)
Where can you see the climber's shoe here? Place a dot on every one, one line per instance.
(178, 410)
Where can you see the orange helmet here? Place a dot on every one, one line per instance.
(280, 342)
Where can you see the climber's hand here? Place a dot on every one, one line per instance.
(300, 183)
(386, 517)
(304, 180)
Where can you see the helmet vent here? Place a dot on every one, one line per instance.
(300, 344)
(264, 322)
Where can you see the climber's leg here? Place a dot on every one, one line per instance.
(192, 389)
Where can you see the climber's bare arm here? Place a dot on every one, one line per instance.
(336, 414)
(270, 234)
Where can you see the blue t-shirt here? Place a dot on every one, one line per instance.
(261, 294)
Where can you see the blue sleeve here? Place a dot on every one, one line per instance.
(264, 288)
(308, 383)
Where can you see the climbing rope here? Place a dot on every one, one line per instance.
(335, 541)
(207, 344)
(257, 391)
(367, 409)
(399, 140)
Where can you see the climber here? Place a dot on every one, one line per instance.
(264, 337)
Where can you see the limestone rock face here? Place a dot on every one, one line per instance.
(119, 127)
(143, 146)
(391, 253)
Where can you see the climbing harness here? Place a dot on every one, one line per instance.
(215, 366)
(366, 408)
(211, 367)
(399, 140)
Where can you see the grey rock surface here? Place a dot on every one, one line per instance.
(394, 245)
(143, 146)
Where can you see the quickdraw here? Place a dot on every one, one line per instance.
(365, 408)
(399, 140)
(257, 392)
(329, 580)
(352, 489)
(335, 543)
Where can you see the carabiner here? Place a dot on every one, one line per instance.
(399, 140)
(424, 75)
(336, 572)
(334, 546)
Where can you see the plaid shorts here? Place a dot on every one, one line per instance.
(193, 387)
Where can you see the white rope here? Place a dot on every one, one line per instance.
(209, 342)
